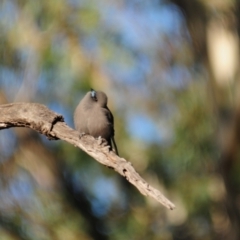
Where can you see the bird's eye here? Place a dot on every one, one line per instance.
(94, 95)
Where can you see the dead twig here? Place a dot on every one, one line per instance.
(39, 118)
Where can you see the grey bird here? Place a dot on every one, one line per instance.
(93, 117)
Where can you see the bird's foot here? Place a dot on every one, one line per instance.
(103, 142)
(81, 135)
(100, 140)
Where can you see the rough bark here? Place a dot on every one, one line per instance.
(39, 118)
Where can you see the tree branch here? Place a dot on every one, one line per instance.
(39, 118)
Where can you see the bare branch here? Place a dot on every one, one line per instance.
(41, 119)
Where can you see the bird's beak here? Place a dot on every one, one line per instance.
(93, 94)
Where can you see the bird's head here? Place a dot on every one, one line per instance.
(99, 97)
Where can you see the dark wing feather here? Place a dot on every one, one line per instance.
(111, 121)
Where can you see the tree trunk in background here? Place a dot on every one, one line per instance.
(215, 42)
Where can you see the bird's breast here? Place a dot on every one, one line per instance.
(98, 125)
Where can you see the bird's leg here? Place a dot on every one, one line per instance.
(81, 135)
(103, 142)
(100, 140)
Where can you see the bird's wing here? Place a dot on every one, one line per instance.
(111, 121)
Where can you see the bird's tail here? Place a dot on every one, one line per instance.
(115, 146)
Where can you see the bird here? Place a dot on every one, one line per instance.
(92, 116)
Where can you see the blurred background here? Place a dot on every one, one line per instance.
(170, 69)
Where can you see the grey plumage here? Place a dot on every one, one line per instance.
(93, 117)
